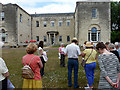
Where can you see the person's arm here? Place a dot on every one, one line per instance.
(96, 56)
(6, 74)
(103, 71)
(110, 81)
(40, 64)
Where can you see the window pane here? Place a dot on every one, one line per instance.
(45, 24)
(52, 23)
(20, 17)
(94, 30)
(94, 36)
(99, 36)
(2, 15)
(60, 23)
(60, 38)
(94, 12)
(68, 23)
(45, 39)
(37, 23)
(37, 38)
(68, 38)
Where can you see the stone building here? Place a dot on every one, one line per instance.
(89, 22)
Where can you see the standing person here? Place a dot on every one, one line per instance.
(43, 56)
(62, 56)
(109, 67)
(35, 65)
(72, 51)
(3, 72)
(117, 46)
(90, 65)
(106, 44)
(112, 49)
(84, 45)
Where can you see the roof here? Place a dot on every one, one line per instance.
(49, 14)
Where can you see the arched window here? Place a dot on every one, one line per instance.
(94, 34)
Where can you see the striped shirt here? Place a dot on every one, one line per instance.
(109, 66)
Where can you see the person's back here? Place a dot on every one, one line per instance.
(72, 50)
(92, 56)
(34, 64)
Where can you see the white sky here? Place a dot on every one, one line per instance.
(46, 6)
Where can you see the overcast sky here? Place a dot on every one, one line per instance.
(46, 6)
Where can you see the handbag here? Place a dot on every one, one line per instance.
(84, 61)
(27, 71)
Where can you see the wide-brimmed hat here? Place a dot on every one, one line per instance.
(75, 39)
(88, 44)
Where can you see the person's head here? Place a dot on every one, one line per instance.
(85, 42)
(62, 44)
(106, 44)
(40, 44)
(74, 40)
(100, 47)
(111, 46)
(116, 45)
(88, 45)
(31, 48)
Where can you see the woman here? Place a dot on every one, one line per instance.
(111, 48)
(62, 56)
(90, 65)
(43, 56)
(35, 65)
(109, 67)
(3, 72)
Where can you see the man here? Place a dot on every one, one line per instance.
(72, 51)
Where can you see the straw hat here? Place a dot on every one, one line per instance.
(75, 39)
(88, 44)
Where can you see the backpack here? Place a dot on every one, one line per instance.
(27, 72)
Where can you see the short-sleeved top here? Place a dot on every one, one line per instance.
(3, 69)
(72, 50)
(62, 49)
(34, 64)
(91, 59)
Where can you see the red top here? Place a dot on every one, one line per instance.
(34, 64)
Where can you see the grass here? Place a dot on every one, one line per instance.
(55, 76)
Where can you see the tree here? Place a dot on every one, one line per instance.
(115, 22)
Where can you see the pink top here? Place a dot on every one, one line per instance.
(61, 49)
(34, 64)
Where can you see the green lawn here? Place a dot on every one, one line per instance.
(55, 76)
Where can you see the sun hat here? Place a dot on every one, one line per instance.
(75, 39)
(88, 44)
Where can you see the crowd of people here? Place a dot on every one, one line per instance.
(108, 61)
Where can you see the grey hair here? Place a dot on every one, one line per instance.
(111, 46)
(62, 44)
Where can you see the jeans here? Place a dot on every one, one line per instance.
(72, 63)
(89, 70)
(62, 60)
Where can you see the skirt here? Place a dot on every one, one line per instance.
(31, 83)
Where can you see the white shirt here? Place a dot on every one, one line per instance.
(3, 69)
(72, 50)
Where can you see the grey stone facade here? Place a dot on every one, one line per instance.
(90, 22)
